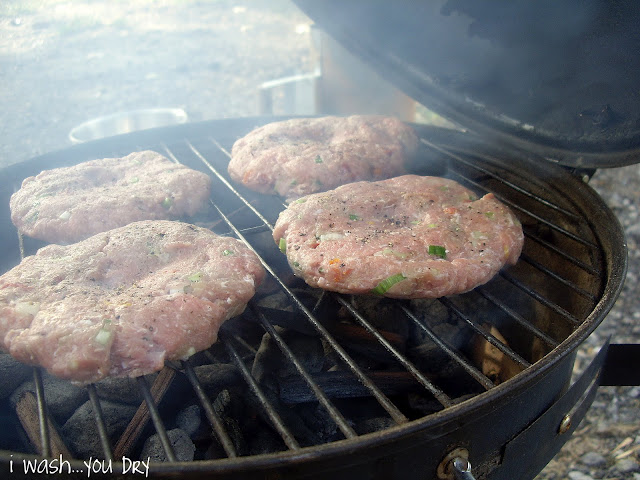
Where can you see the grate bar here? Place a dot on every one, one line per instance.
(156, 419)
(580, 291)
(170, 153)
(541, 298)
(335, 414)
(529, 213)
(375, 391)
(276, 421)
(452, 353)
(514, 186)
(578, 263)
(102, 429)
(487, 336)
(212, 416)
(538, 218)
(226, 183)
(43, 420)
(435, 391)
(518, 318)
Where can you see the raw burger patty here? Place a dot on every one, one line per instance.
(68, 204)
(122, 302)
(389, 237)
(301, 156)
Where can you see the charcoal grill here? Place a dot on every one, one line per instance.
(567, 279)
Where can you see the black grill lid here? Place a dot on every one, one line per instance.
(561, 79)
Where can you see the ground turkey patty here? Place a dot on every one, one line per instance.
(122, 302)
(301, 156)
(68, 204)
(406, 237)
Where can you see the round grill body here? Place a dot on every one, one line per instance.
(533, 316)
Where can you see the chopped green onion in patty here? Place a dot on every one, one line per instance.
(282, 244)
(196, 277)
(387, 283)
(438, 251)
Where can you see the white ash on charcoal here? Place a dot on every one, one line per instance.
(62, 397)
(272, 371)
(12, 374)
(121, 389)
(189, 420)
(79, 432)
(229, 409)
(285, 387)
(182, 445)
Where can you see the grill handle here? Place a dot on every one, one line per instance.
(621, 365)
(554, 426)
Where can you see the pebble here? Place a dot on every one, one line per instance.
(593, 459)
(576, 475)
(627, 465)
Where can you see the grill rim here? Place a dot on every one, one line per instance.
(615, 269)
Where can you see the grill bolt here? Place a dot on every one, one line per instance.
(565, 424)
(455, 466)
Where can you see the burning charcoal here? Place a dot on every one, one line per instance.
(277, 301)
(216, 377)
(365, 347)
(228, 411)
(264, 440)
(80, 430)
(269, 359)
(318, 420)
(222, 401)
(432, 312)
(182, 445)
(342, 384)
(382, 313)
(223, 405)
(279, 310)
(492, 362)
(62, 397)
(189, 420)
(12, 374)
(123, 389)
(290, 417)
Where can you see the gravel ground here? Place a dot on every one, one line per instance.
(63, 62)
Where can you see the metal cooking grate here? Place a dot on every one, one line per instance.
(535, 305)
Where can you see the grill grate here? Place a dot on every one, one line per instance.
(561, 253)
